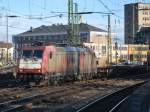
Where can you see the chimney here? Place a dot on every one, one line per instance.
(31, 28)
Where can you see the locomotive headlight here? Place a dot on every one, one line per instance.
(21, 70)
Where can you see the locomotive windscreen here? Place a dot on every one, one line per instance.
(38, 53)
(32, 53)
(27, 53)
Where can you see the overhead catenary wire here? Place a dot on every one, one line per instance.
(105, 6)
(109, 10)
(29, 8)
(46, 17)
(39, 6)
(15, 27)
(28, 16)
(42, 5)
(36, 17)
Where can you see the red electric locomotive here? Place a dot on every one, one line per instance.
(56, 64)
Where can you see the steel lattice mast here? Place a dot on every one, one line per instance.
(73, 22)
(76, 25)
(70, 22)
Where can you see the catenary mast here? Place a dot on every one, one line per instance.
(73, 23)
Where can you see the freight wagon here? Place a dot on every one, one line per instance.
(56, 64)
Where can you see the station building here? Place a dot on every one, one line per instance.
(58, 34)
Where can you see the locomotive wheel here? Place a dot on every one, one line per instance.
(76, 78)
(91, 76)
(38, 79)
(79, 77)
(52, 81)
(99, 76)
(37, 82)
(20, 78)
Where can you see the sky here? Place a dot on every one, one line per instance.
(29, 12)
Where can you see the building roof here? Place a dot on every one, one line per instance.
(59, 29)
(138, 3)
(5, 45)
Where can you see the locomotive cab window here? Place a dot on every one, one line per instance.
(38, 53)
(27, 53)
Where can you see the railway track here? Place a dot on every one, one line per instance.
(19, 104)
(9, 83)
(111, 102)
(7, 69)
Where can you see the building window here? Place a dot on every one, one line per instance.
(46, 37)
(104, 49)
(114, 48)
(93, 47)
(51, 37)
(98, 35)
(84, 34)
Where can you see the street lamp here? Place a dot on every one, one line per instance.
(8, 16)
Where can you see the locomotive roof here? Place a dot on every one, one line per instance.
(81, 49)
(33, 47)
(70, 49)
(67, 49)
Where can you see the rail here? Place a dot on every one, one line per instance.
(110, 102)
(19, 104)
